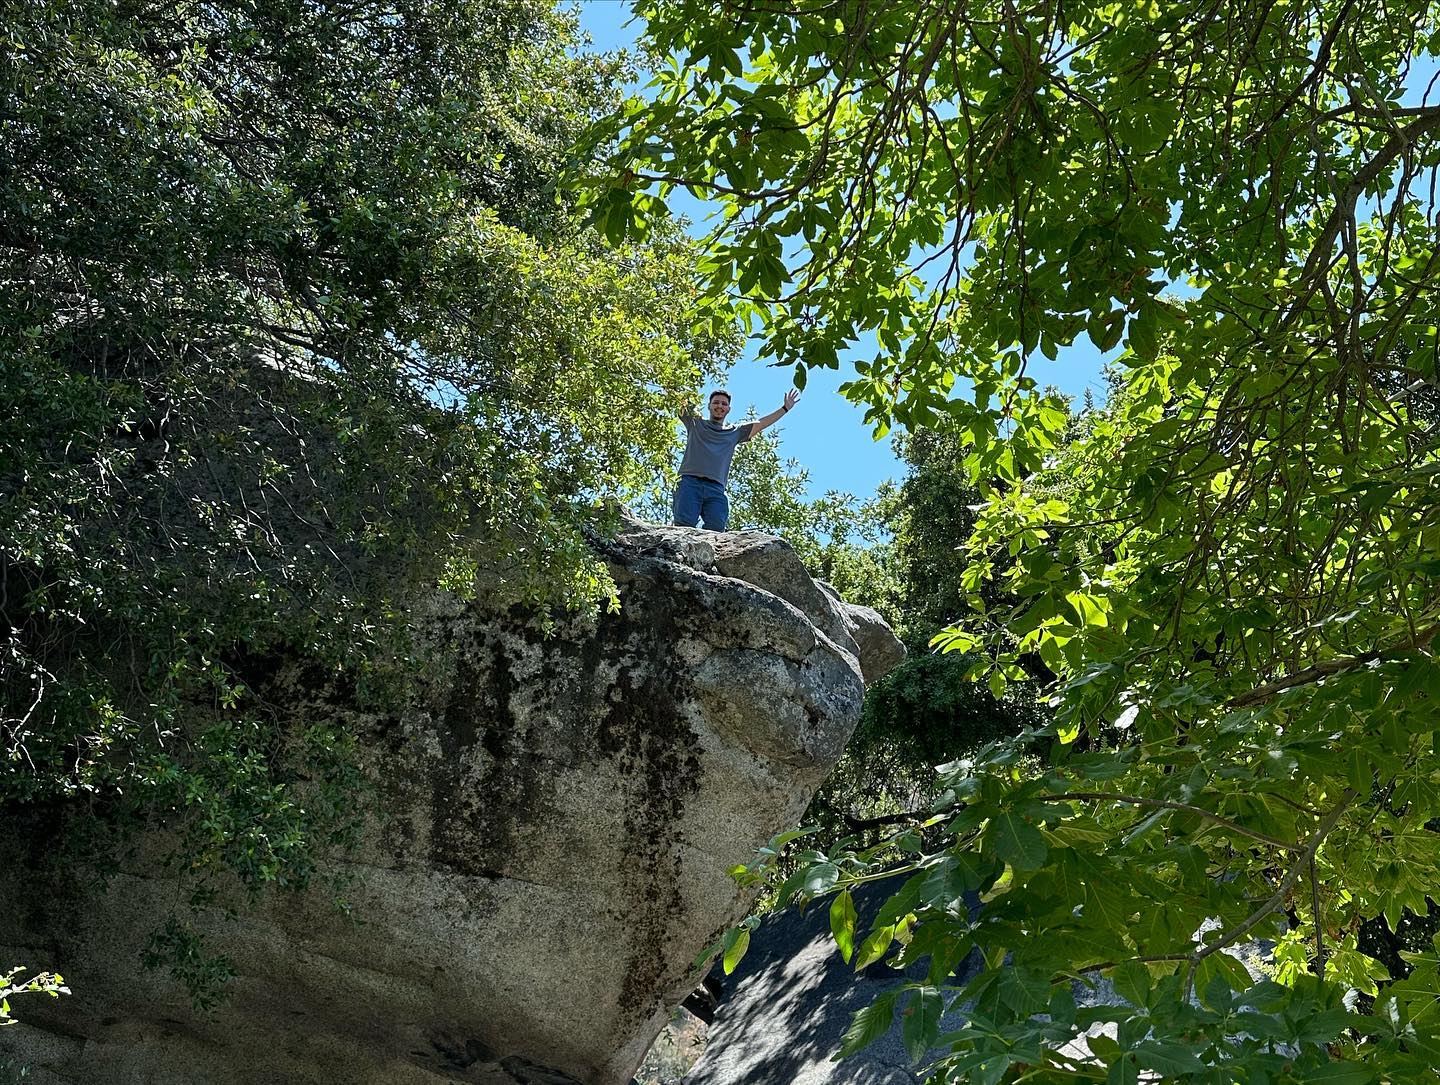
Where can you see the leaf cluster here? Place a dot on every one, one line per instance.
(1227, 576)
(12, 984)
(295, 324)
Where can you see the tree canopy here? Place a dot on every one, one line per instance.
(294, 321)
(1230, 575)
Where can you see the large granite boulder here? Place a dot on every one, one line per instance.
(558, 813)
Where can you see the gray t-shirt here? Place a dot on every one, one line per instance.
(709, 447)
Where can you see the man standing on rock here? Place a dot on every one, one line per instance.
(709, 446)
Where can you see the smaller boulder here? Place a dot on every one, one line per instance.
(770, 564)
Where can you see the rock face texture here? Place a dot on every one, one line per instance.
(557, 817)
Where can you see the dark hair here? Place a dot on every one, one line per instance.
(720, 392)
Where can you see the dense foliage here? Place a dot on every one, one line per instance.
(927, 710)
(294, 321)
(1231, 577)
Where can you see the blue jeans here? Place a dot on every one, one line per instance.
(697, 497)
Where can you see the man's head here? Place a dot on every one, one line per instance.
(719, 405)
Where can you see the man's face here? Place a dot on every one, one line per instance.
(719, 408)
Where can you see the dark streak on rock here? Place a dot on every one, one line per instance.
(643, 732)
(524, 1072)
(474, 823)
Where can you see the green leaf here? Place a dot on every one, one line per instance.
(819, 878)
(874, 947)
(1132, 982)
(842, 923)
(737, 941)
(1103, 1046)
(1090, 609)
(1107, 331)
(869, 1024)
(958, 873)
(1143, 332)
(920, 1021)
(1225, 968)
(1358, 769)
(1016, 841)
(706, 954)
(1123, 1071)
(1022, 990)
(1170, 1059)
(1061, 1008)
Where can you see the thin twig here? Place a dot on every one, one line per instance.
(1319, 929)
(1276, 899)
(1166, 804)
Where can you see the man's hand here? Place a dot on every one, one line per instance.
(774, 416)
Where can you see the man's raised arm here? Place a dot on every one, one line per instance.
(775, 415)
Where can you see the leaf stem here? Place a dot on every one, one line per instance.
(1278, 897)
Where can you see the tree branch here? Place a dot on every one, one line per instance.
(1156, 959)
(1344, 210)
(1328, 667)
(860, 824)
(1278, 897)
(1166, 804)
